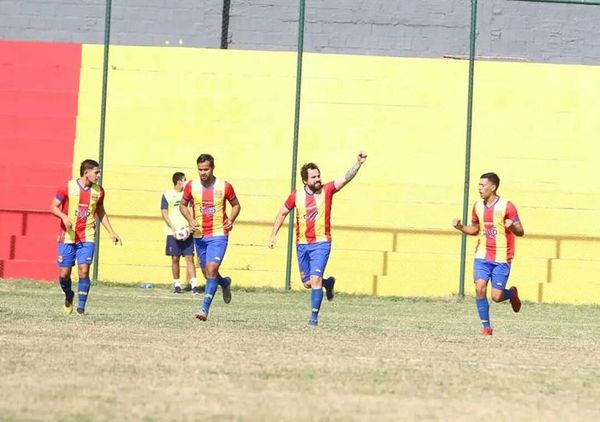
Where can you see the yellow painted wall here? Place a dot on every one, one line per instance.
(534, 124)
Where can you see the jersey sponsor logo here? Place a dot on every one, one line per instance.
(491, 232)
(218, 194)
(209, 210)
(83, 214)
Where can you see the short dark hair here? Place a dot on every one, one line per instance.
(206, 157)
(492, 177)
(177, 176)
(305, 168)
(87, 165)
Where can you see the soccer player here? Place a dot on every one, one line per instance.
(174, 220)
(497, 221)
(211, 225)
(77, 204)
(313, 229)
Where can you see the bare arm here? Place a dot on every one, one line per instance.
(471, 230)
(360, 159)
(55, 211)
(165, 216)
(281, 215)
(103, 217)
(235, 211)
(515, 227)
(187, 214)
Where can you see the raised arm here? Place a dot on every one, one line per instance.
(470, 230)
(360, 159)
(281, 215)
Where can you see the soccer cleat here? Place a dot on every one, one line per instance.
(487, 331)
(196, 291)
(177, 290)
(227, 291)
(313, 322)
(329, 292)
(515, 302)
(202, 315)
(80, 311)
(68, 308)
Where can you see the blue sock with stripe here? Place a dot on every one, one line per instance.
(316, 297)
(328, 282)
(209, 293)
(483, 308)
(83, 289)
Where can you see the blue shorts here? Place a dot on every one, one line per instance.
(498, 272)
(83, 252)
(179, 247)
(312, 259)
(211, 249)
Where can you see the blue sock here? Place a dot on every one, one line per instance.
(221, 280)
(209, 293)
(483, 308)
(328, 283)
(508, 294)
(316, 297)
(83, 289)
(65, 285)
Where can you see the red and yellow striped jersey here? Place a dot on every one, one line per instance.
(80, 204)
(208, 205)
(313, 214)
(496, 243)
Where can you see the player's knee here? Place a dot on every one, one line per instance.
(497, 296)
(211, 270)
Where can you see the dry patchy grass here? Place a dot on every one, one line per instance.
(140, 354)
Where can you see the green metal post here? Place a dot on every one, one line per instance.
(290, 245)
(107, 20)
(463, 240)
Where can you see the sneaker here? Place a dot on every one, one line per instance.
(487, 331)
(177, 290)
(80, 311)
(227, 290)
(329, 292)
(202, 315)
(195, 291)
(68, 308)
(515, 302)
(313, 322)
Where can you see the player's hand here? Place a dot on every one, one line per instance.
(362, 157)
(194, 226)
(508, 223)
(116, 239)
(272, 243)
(456, 223)
(228, 224)
(67, 222)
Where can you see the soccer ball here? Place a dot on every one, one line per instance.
(182, 233)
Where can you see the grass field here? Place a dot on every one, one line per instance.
(140, 354)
